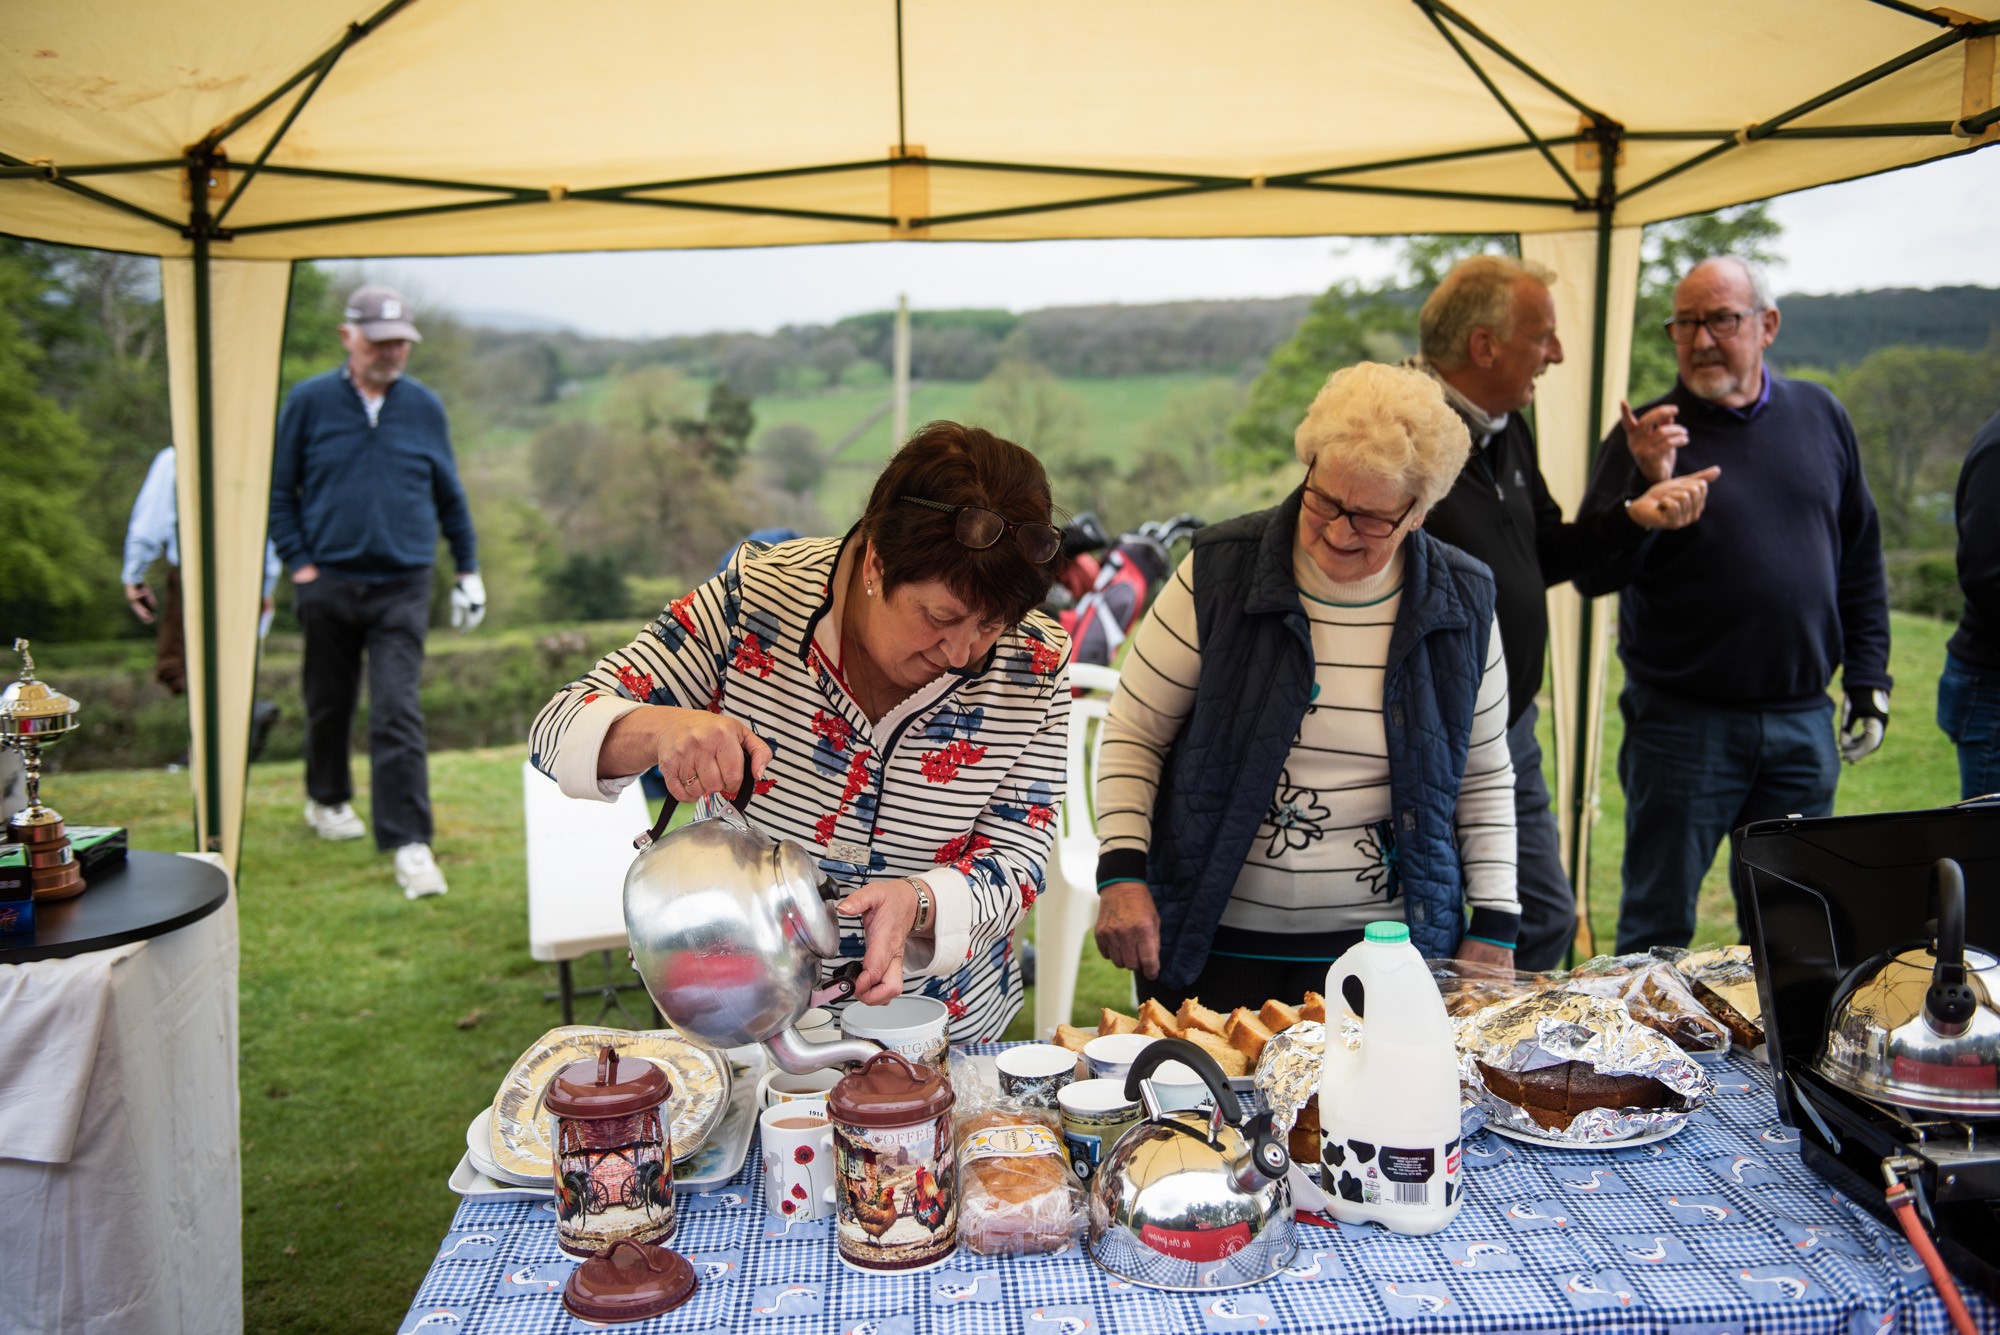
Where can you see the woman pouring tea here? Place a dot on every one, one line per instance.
(899, 702)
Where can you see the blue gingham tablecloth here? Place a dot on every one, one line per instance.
(1718, 1229)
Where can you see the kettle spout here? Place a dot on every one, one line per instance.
(800, 1057)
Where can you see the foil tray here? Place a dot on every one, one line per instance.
(697, 1079)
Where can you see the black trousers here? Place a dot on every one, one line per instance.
(1548, 902)
(345, 621)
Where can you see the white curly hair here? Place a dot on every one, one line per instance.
(1388, 423)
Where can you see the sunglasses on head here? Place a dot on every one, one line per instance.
(979, 528)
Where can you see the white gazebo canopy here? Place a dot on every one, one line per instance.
(231, 142)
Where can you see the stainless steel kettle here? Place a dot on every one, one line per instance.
(728, 927)
(1189, 1199)
(1918, 1026)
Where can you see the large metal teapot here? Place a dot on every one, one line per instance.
(728, 927)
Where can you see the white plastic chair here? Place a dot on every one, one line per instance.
(1068, 906)
(578, 853)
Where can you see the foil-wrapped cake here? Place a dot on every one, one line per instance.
(1575, 1069)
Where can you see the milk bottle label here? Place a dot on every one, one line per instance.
(1392, 1175)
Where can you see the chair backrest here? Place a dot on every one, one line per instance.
(1086, 736)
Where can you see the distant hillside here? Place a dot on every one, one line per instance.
(1839, 331)
(1227, 338)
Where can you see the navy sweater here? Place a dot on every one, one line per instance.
(1977, 639)
(1779, 582)
(361, 502)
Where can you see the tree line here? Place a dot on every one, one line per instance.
(594, 461)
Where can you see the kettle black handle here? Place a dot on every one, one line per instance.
(1162, 1050)
(741, 802)
(1267, 1152)
(1949, 1001)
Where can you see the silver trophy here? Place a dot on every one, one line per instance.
(34, 717)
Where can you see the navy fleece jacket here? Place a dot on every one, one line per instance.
(365, 502)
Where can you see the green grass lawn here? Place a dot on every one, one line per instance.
(374, 1029)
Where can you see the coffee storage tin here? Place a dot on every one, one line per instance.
(613, 1161)
(896, 1197)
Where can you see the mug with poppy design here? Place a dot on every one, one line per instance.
(798, 1159)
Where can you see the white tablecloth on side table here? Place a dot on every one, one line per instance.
(128, 1215)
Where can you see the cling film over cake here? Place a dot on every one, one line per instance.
(1287, 1075)
(1570, 1068)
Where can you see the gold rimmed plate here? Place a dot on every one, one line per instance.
(697, 1079)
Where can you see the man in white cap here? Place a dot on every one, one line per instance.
(362, 481)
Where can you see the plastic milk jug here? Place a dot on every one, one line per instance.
(1388, 1110)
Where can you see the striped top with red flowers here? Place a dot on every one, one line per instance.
(958, 785)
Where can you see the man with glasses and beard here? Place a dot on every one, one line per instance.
(1488, 331)
(1730, 630)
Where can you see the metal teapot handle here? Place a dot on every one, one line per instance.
(667, 809)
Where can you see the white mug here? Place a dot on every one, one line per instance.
(798, 1159)
(780, 1087)
(913, 1026)
(1110, 1056)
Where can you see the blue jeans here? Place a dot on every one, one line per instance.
(1969, 712)
(1693, 773)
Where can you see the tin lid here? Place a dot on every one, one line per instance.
(889, 1090)
(608, 1086)
(629, 1281)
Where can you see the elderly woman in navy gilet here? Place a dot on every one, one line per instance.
(1309, 732)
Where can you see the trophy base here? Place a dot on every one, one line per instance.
(52, 867)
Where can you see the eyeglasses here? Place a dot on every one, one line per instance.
(1720, 325)
(979, 529)
(1367, 525)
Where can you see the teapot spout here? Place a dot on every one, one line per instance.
(800, 1057)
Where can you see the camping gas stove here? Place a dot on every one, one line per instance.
(1952, 1165)
(1824, 897)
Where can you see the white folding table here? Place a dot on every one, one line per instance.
(578, 853)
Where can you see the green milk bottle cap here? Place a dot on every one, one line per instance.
(1388, 933)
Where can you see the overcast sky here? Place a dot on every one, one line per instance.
(1928, 226)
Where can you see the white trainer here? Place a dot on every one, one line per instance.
(337, 822)
(417, 871)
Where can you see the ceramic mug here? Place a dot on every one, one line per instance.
(1034, 1074)
(1095, 1113)
(913, 1026)
(780, 1087)
(1110, 1056)
(798, 1159)
(1177, 1086)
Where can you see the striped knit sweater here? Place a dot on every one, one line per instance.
(957, 785)
(1318, 866)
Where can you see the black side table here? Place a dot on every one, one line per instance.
(148, 895)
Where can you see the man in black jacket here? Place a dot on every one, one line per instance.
(1488, 330)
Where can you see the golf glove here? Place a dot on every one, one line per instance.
(1862, 719)
(468, 602)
